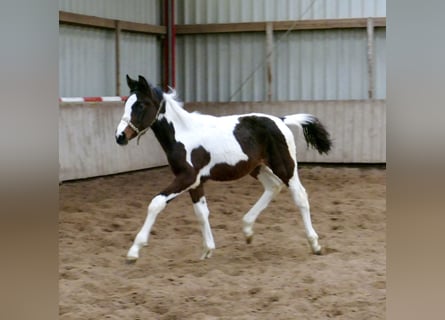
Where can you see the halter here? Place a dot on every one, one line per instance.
(142, 132)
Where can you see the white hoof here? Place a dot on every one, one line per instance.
(248, 232)
(131, 260)
(316, 248)
(133, 254)
(207, 253)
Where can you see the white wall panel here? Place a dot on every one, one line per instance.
(357, 127)
(87, 146)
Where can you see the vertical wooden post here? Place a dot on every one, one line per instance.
(117, 57)
(269, 59)
(370, 32)
(169, 44)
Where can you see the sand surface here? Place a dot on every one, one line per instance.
(274, 277)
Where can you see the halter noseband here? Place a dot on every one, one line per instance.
(142, 132)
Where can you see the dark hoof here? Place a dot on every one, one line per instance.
(130, 261)
(249, 239)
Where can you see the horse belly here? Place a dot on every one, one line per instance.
(228, 161)
(227, 172)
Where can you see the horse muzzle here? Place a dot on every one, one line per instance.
(122, 139)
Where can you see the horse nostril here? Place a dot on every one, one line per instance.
(121, 139)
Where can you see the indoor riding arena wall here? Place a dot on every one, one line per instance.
(87, 146)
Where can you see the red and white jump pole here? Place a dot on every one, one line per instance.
(92, 99)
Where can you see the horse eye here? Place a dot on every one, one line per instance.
(137, 107)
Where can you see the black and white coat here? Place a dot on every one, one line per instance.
(201, 147)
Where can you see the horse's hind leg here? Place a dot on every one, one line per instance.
(202, 213)
(272, 186)
(300, 198)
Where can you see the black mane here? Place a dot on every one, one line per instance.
(159, 93)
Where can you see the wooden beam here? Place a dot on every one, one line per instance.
(84, 20)
(370, 33)
(220, 28)
(117, 42)
(321, 24)
(269, 59)
(103, 23)
(143, 28)
(327, 24)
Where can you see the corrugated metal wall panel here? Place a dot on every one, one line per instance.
(212, 67)
(143, 11)
(321, 65)
(307, 65)
(86, 62)
(380, 63)
(224, 11)
(140, 55)
(324, 64)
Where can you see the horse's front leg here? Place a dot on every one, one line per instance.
(155, 207)
(202, 213)
(180, 184)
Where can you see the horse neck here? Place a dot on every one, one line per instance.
(173, 120)
(174, 113)
(164, 133)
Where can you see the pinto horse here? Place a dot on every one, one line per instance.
(201, 147)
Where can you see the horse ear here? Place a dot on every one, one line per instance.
(143, 84)
(132, 84)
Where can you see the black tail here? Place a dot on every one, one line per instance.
(314, 132)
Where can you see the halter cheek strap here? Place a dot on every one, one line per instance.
(142, 132)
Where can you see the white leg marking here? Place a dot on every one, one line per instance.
(301, 200)
(156, 206)
(202, 213)
(272, 185)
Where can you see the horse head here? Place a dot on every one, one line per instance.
(141, 110)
